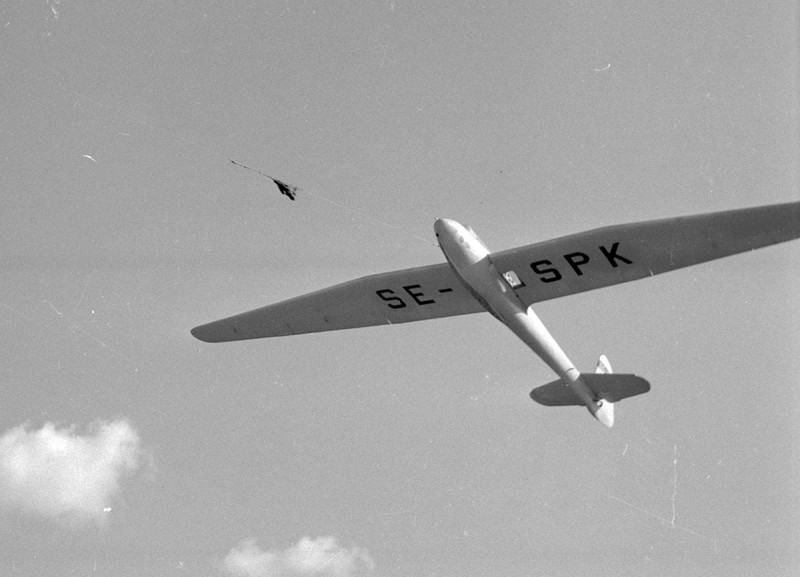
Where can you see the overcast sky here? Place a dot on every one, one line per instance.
(128, 448)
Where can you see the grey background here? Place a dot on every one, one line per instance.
(416, 443)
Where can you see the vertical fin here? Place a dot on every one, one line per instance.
(603, 366)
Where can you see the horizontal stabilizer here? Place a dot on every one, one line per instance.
(611, 387)
(556, 394)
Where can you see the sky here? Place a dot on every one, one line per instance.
(129, 448)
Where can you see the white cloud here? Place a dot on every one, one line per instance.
(320, 557)
(60, 473)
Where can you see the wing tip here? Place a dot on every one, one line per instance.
(218, 332)
(202, 333)
(238, 329)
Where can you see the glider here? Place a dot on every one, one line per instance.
(507, 283)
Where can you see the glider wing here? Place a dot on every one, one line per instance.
(536, 272)
(401, 296)
(622, 253)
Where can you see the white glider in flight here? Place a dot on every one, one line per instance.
(508, 282)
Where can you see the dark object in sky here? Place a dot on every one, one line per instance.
(286, 189)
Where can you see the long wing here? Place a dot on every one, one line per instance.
(537, 272)
(401, 296)
(626, 252)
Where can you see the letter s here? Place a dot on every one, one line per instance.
(395, 302)
(553, 273)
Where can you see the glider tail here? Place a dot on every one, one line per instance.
(606, 387)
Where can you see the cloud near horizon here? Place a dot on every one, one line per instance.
(320, 557)
(58, 473)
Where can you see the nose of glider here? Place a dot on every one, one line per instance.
(448, 233)
(458, 243)
(445, 227)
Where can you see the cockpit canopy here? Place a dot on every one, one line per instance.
(476, 237)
